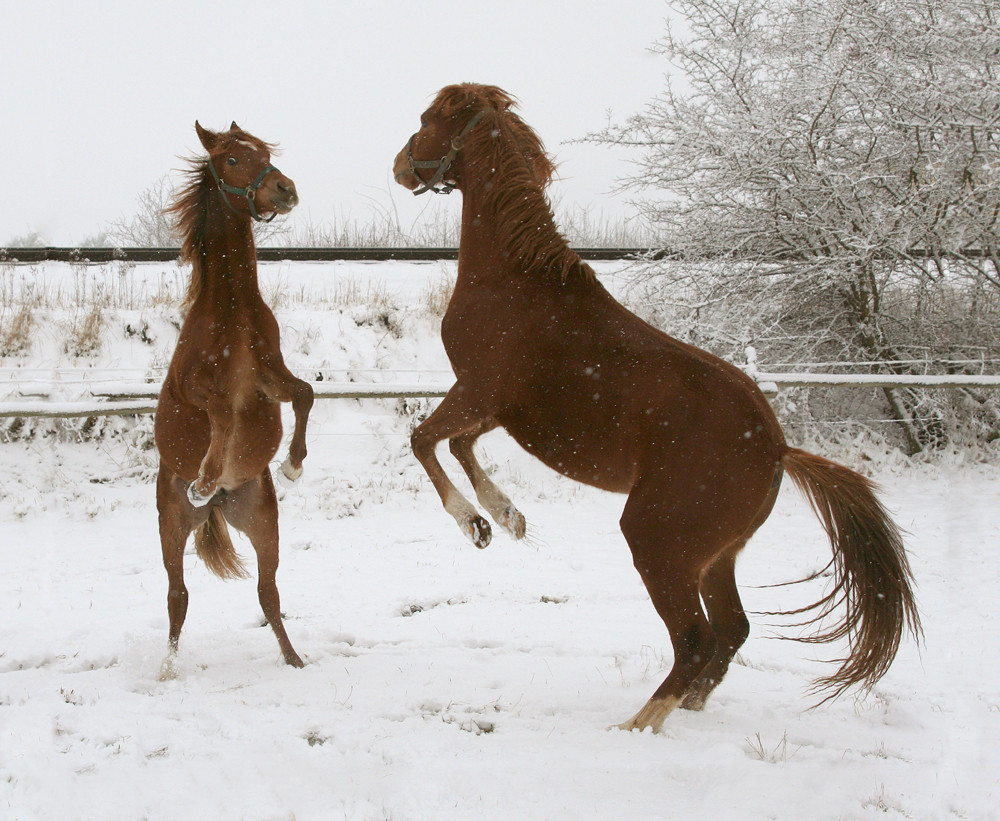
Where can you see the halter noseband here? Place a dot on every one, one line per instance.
(437, 183)
(250, 192)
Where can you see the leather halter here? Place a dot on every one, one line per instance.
(437, 183)
(250, 192)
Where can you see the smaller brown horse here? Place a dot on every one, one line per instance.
(540, 348)
(218, 422)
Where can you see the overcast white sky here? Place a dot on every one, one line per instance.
(98, 99)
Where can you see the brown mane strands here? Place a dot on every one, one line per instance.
(515, 156)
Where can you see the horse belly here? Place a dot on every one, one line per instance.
(183, 435)
(254, 441)
(587, 453)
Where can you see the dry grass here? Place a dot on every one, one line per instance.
(437, 295)
(18, 300)
(15, 329)
(84, 302)
(114, 286)
(85, 332)
(779, 754)
(349, 291)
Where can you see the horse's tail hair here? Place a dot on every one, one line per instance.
(871, 574)
(215, 548)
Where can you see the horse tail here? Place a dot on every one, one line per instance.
(215, 548)
(872, 576)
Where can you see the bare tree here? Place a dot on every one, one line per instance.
(149, 226)
(31, 239)
(833, 165)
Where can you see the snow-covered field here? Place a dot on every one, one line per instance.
(441, 682)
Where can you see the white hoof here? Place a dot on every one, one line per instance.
(291, 473)
(649, 717)
(196, 499)
(513, 522)
(168, 671)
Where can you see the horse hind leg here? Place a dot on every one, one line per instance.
(174, 527)
(494, 500)
(669, 557)
(728, 621)
(253, 509)
(693, 642)
(725, 610)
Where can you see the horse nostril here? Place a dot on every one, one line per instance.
(286, 189)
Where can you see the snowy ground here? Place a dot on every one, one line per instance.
(441, 681)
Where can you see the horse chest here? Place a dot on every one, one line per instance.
(482, 326)
(225, 363)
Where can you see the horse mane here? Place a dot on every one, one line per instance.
(509, 148)
(190, 211)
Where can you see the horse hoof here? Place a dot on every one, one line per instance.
(291, 473)
(479, 532)
(197, 499)
(513, 522)
(168, 671)
(697, 695)
(651, 716)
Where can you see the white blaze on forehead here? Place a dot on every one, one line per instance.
(247, 144)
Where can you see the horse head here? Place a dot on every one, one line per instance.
(240, 165)
(429, 161)
(467, 125)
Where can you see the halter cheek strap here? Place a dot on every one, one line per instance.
(250, 192)
(437, 183)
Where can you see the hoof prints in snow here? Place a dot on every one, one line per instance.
(66, 664)
(469, 719)
(408, 610)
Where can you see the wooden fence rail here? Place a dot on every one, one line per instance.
(96, 256)
(130, 398)
(31, 256)
(123, 398)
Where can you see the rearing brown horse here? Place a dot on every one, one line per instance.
(218, 422)
(540, 348)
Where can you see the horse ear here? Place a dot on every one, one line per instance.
(209, 139)
(234, 127)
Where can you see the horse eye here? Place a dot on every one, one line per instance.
(231, 161)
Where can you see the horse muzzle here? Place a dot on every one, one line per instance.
(283, 196)
(403, 174)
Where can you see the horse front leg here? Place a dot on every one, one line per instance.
(220, 417)
(496, 502)
(284, 386)
(452, 418)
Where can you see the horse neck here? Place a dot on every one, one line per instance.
(480, 239)
(228, 257)
(487, 242)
